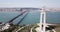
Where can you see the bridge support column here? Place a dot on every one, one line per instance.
(43, 21)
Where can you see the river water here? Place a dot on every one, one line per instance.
(31, 18)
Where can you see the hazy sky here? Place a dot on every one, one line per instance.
(29, 3)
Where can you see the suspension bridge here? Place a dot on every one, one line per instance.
(7, 24)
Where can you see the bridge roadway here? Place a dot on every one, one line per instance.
(21, 13)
